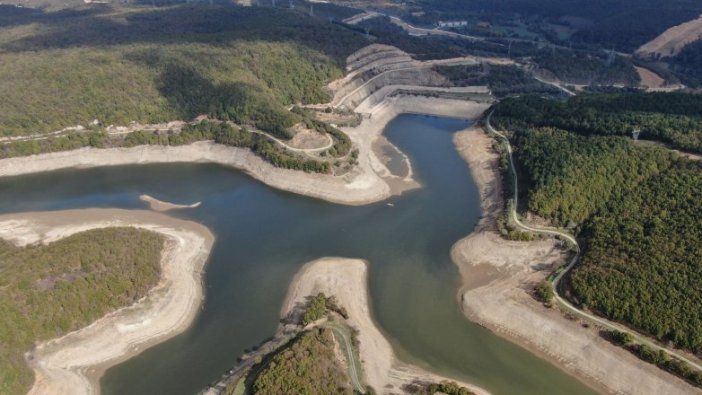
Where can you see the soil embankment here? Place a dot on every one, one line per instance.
(73, 364)
(499, 275)
(347, 280)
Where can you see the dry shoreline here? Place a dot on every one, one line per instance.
(74, 363)
(160, 205)
(498, 276)
(347, 280)
(369, 182)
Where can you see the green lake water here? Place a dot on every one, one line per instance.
(264, 236)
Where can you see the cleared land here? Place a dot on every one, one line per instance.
(649, 79)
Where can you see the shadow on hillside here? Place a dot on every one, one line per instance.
(191, 94)
(200, 22)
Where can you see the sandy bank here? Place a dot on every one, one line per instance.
(74, 363)
(347, 279)
(673, 40)
(361, 186)
(370, 181)
(159, 205)
(376, 116)
(498, 276)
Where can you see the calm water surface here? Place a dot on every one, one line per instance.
(263, 238)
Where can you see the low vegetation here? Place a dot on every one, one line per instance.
(659, 358)
(448, 388)
(544, 292)
(48, 291)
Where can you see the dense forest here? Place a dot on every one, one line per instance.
(502, 80)
(151, 65)
(47, 291)
(635, 208)
(672, 118)
(642, 257)
(308, 365)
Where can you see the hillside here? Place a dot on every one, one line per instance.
(119, 65)
(673, 40)
(633, 205)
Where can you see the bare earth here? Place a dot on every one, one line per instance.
(649, 79)
(74, 363)
(347, 280)
(498, 276)
(673, 40)
(159, 205)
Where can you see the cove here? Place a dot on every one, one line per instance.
(264, 236)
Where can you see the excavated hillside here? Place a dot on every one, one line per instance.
(378, 67)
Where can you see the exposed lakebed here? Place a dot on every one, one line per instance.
(263, 238)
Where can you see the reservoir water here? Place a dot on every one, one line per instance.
(263, 238)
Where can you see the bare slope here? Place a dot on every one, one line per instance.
(672, 41)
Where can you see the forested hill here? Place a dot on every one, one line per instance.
(673, 118)
(635, 206)
(621, 24)
(49, 290)
(117, 65)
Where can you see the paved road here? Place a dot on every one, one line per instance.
(560, 300)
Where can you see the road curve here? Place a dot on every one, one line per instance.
(353, 372)
(560, 300)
